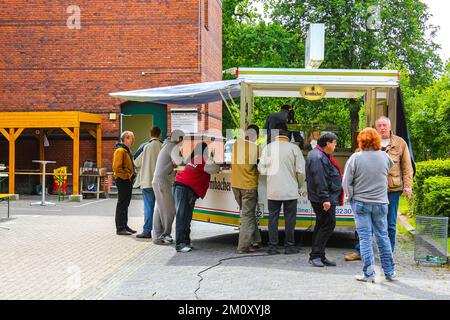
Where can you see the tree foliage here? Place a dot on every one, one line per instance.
(358, 35)
(428, 113)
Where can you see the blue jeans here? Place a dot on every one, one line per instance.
(149, 207)
(184, 204)
(394, 199)
(372, 218)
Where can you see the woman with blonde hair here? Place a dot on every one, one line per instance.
(365, 184)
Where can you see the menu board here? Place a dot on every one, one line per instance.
(184, 119)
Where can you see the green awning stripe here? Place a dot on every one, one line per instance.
(223, 214)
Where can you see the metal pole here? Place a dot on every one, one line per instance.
(43, 184)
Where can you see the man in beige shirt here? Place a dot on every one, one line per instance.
(146, 163)
(244, 182)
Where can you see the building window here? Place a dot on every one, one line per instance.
(206, 13)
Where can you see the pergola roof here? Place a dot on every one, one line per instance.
(54, 119)
(12, 124)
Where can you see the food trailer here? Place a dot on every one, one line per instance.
(378, 88)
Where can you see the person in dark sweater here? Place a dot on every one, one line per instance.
(124, 173)
(324, 185)
(190, 184)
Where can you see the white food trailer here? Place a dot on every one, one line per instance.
(378, 88)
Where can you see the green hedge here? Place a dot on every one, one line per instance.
(436, 196)
(424, 170)
(431, 188)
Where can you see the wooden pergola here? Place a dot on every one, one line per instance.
(12, 124)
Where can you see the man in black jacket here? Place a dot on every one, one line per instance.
(323, 179)
(286, 115)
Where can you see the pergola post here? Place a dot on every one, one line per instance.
(99, 146)
(12, 160)
(12, 137)
(76, 160)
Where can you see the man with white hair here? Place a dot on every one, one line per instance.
(400, 176)
(168, 158)
(124, 173)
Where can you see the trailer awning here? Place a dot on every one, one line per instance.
(185, 95)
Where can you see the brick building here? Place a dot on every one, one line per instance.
(49, 62)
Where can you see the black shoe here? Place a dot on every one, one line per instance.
(317, 262)
(144, 236)
(328, 263)
(123, 233)
(273, 251)
(291, 251)
(130, 230)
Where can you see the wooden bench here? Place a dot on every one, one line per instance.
(6, 196)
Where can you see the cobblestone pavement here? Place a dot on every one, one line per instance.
(71, 251)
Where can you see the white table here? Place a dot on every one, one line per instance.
(43, 202)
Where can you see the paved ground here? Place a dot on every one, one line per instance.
(70, 251)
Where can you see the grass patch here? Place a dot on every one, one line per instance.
(403, 205)
(412, 222)
(401, 229)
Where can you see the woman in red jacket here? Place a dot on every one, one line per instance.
(191, 184)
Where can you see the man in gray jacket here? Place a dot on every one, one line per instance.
(168, 159)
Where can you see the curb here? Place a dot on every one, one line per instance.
(404, 221)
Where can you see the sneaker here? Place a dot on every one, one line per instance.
(130, 230)
(161, 241)
(328, 263)
(363, 278)
(247, 250)
(123, 233)
(144, 235)
(354, 256)
(168, 239)
(392, 277)
(317, 262)
(184, 249)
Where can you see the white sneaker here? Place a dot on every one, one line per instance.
(185, 249)
(363, 278)
(168, 239)
(392, 277)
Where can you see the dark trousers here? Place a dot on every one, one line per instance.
(290, 214)
(325, 224)
(124, 190)
(184, 199)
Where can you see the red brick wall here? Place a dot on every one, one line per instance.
(45, 66)
(212, 57)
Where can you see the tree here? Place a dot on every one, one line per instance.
(368, 34)
(428, 112)
(359, 35)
